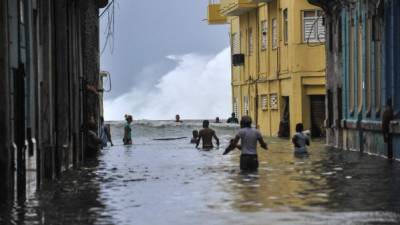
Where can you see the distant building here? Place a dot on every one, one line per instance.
(363, 49)
(49, 67)
(278, 62)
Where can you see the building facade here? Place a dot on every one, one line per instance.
(363, 65)
(278, 62)
(49, 64)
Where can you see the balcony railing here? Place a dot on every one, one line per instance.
(236, 7)
(214, 15)
(260, 1)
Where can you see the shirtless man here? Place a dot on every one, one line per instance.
(178, 119)
(233, 119)
(206, 134)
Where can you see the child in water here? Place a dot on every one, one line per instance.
(300, 140)
(195, 137)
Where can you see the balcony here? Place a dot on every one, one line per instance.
(236, 7)
(214, 16)
(102, 3)
(260, 1)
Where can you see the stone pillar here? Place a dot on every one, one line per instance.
(90, 61)
(46, 93)
(62, 87)
(91, 56)
(5, 157)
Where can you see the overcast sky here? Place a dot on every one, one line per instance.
(148, 31)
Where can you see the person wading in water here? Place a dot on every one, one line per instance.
(178, 119)
(128, 131)
(105, 134)
(93, 141)
(249, 137)
(388, 115)
(206, 134)
(233, 119)
(195, 137)
(300, 141)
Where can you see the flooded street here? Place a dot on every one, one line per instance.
(170, 182)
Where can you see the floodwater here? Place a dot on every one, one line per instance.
(171, 182)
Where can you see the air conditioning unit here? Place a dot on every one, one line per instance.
(238, 59)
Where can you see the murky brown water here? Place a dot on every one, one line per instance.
(170, 182)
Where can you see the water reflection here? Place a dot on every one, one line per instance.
(72, 200)
(326, 180)
(170, 182)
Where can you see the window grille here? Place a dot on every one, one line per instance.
(264, 102)
(235, 107)
(246, 105)
(273, 101)
(313, 26)
(235, 43)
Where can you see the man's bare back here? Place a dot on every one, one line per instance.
(206, 135)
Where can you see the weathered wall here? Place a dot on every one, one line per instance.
(90, 53)
(362, 73)
(46, 67)
(295, 69)
(5, 157)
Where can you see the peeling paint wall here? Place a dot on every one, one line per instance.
(49, 53)
(362, 73)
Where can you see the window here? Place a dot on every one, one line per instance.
(330, 118)
(351, 67)
(339, 34)
(235, 107)
(360, 84)
(250, 41)
(285, 26)
(264, 102)
(368, 87)
(274, 34)
(378, 77)
(273, 101)
(264, 35)
(377, 30)
(21, 12)
(330, 40)
(235, 43)
(313, 26)
(246, 105)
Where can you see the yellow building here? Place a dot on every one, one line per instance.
(278, 62)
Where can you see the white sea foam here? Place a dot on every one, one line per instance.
(197, 88)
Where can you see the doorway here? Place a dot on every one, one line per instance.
(317, 104)
(284, 125)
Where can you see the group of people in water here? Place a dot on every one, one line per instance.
(247, 136)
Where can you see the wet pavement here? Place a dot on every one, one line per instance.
(170, 182)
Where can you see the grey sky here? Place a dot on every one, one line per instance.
(147, 31)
